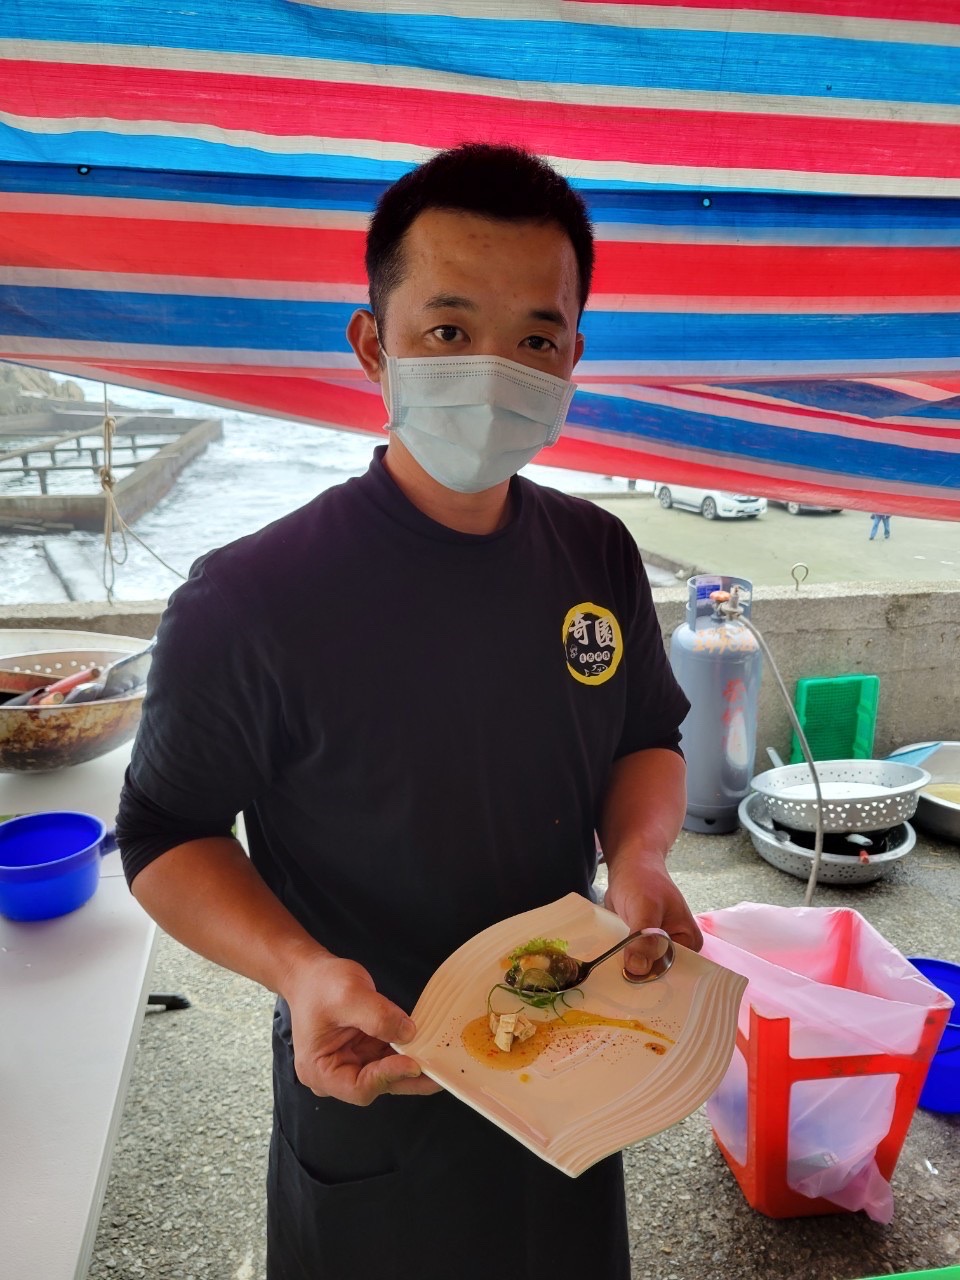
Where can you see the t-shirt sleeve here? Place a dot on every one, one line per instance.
(656, 705)
(211, 733)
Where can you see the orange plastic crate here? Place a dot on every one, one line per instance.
(772, 1072)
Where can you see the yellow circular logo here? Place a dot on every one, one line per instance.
(592, 643)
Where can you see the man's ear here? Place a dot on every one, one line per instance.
(578, 349)
(362, 336)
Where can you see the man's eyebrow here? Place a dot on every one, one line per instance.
(550, 316)
(449, 301)
(455, 302)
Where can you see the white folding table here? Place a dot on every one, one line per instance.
(72, 996)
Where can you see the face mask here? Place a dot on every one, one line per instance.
(473, 421)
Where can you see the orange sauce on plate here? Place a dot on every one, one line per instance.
(477, 1038)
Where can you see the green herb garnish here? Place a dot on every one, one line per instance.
(535, 946)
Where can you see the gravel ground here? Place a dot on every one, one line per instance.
(185, 1195)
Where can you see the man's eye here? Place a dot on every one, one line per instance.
(447, 332)
(538, 343)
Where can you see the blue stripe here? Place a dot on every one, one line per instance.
(706, 338)
(283, 325)
(732, 438)
(173, 320)
(185, 155)
(560, 52)
(229, 189)
(841, 395)
(780, 219)
(787, 217)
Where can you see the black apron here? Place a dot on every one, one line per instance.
(424, 1188)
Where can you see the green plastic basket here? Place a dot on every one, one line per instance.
(944, 1273)
(839, 716)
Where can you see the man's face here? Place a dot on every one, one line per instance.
(481, 287)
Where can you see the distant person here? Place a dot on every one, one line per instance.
(877, 519)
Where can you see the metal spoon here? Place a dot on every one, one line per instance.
(565, 972)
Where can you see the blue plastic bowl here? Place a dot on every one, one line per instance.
(941, 1092)
(50, 863)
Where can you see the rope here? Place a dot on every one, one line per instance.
(113, 521)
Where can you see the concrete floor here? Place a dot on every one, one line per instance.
(184, 1200)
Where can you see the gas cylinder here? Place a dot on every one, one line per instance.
(718, 664)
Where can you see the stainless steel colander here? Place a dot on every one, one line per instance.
(858, 795)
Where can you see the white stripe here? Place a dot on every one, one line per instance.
(15, 347)
(665, 18)
(573, 167)
(730, 464)
(185, 286)
(399, 77)
(865, 429)
(251, 215)
(787, 304)
(919, 390)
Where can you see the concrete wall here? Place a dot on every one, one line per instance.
(907, 635)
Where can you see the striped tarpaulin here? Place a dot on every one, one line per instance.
(775, 190)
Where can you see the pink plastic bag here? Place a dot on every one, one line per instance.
(847, 991)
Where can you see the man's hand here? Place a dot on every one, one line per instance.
(341, 1032)
(642, 813)
(644, 897)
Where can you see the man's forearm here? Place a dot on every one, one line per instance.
(208, 895)
(644, 807)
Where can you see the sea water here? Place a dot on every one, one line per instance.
(261, 469)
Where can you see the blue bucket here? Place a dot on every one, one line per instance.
(941, 1092)
(50, 863)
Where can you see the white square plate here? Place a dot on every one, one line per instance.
(607, 1088)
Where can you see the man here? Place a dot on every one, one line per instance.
(426, 690)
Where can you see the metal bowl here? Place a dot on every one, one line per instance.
(941, 760)
(858, 795)
(40, 739)
(835, 868)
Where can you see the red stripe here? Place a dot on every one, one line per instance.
(325, 403)
(240, 252)
(775, 271)
(332, 404)
(164, 247)
(287, 108)
(884, 10)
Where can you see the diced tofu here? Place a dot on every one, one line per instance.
(503, 1036)
(534, 962)
(524, 1028)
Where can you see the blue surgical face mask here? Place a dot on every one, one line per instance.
(473, 421)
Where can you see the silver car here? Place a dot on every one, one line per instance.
(713, 504)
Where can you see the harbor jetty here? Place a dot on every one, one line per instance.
(51, 460)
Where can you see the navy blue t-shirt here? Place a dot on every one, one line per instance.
(418, 724)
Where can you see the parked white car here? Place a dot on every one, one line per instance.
(712, 504)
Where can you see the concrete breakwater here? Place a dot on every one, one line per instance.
(60, 453)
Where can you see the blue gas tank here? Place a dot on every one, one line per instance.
(718, 664)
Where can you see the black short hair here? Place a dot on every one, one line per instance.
(490, 180)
